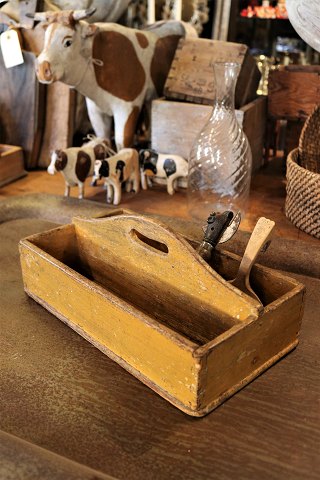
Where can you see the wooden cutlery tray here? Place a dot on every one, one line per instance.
(141, 294)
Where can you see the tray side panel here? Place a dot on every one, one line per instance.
(158, 360)
(241, 357)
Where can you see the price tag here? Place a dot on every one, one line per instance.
(11, 49)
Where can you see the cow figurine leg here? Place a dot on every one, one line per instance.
(116, 193)
(67, 190)
(136, 182)
(125, 122)
(143, 179)
(113, 194)
(129, 186)
(81, 190)
(109, 191)
(171, 183)
(101, 122)
(133, 171)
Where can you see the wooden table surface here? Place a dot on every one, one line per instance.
(81, 413)
(267, 198)
(83, 416)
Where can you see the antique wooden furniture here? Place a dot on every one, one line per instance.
(293, 95)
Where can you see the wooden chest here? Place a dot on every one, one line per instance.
(293, 91)
(143, 296)
(191, 76)
(11, 164)
(176, 125)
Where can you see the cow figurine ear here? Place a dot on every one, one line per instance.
(88, 29)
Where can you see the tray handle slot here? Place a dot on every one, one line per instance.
(148, 242)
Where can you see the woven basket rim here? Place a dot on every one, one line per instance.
(293, 158)
(302, 205)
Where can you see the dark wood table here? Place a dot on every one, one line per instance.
(68, 411)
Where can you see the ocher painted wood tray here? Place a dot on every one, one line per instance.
(142, 295)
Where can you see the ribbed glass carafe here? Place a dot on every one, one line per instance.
(220, 160)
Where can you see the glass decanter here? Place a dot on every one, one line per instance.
(220, 160)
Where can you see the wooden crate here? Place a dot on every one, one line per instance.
(175, 126)
(191, 75)
(143, 296)
(293, 91)
(11, 164)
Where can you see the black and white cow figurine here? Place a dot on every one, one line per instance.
(162, 165)
(119, 168)
(77, 163)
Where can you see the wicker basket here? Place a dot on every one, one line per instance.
(309, 143)
(303, 196)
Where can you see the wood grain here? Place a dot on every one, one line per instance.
(182, 291)
(60, 393)
(293, 92)
(20, 459)
(11, 164)
(191, 75)
(255, 126)
(259, 238)
(59, 124)
(90, 275)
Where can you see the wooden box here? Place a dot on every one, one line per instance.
(191, 76)
(176, 125)
(11, 164)
(143, 296)
(293, 91)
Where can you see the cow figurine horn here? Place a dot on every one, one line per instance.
(38, 16)
(82, 14)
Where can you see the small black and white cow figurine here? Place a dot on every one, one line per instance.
(161, 165)
(77, 163)
(119, 168)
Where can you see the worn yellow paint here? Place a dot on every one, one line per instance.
(178, 283)
(196, 376)
(249, 350)
(190, 275)
(150, 351)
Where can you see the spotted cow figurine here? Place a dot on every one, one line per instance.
(117, 169)
(160, 165)
(116, 68)
(77, 163)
